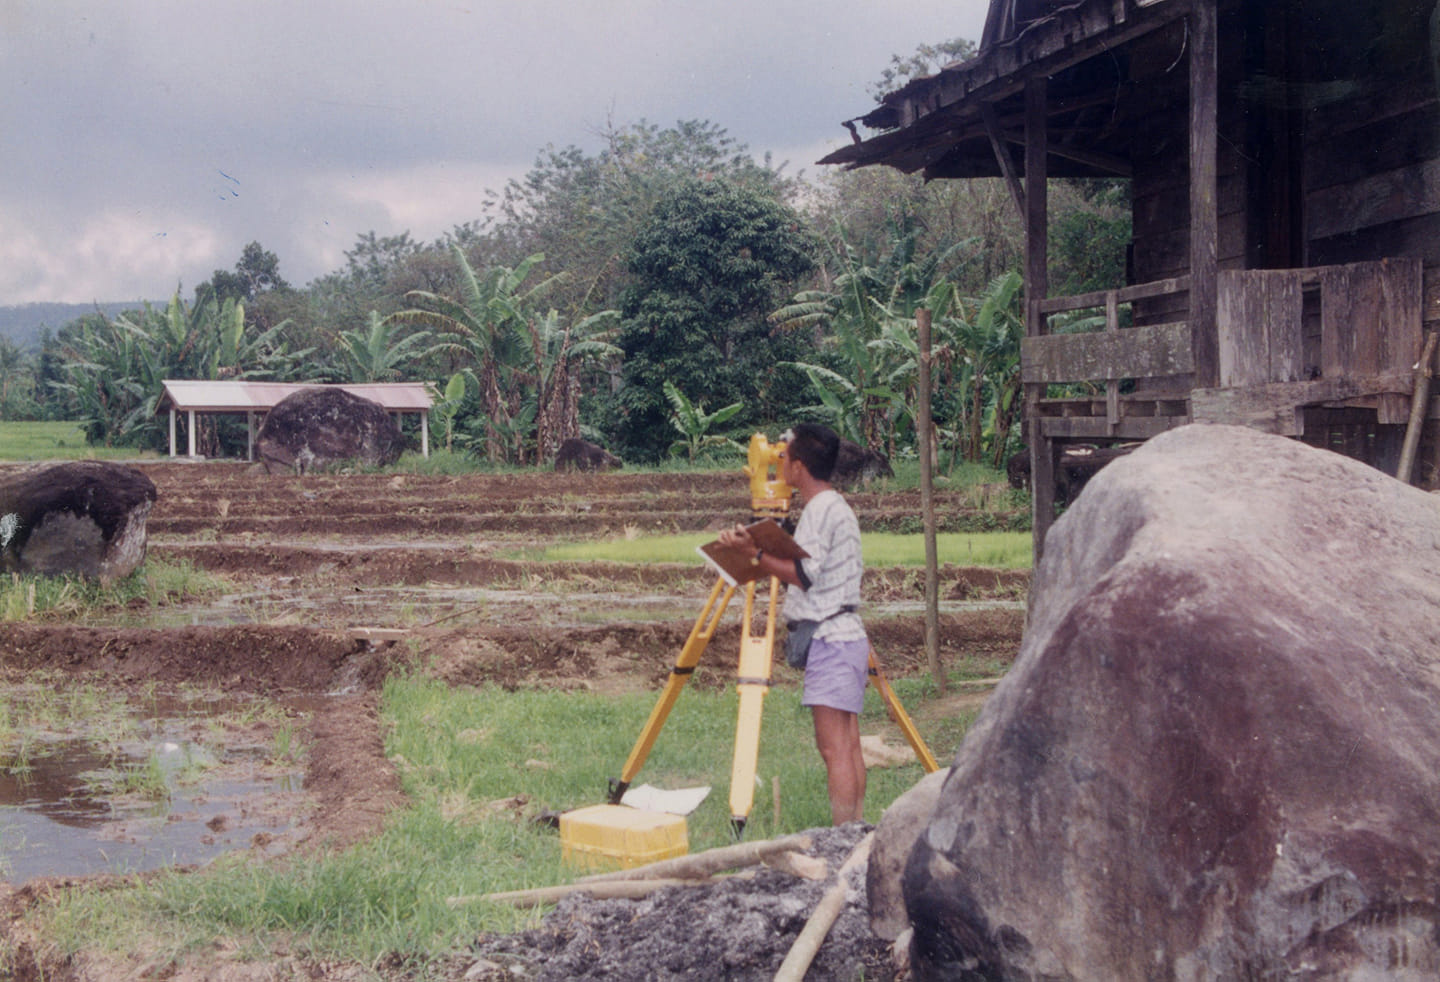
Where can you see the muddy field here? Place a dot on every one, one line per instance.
(327, 569)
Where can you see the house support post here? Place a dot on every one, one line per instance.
(1204, 207)
(1037, 287)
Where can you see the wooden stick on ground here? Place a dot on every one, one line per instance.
(616, 890)
(709, 862)
(807, 945)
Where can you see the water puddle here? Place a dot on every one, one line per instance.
(92, 787)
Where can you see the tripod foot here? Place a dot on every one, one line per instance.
(617, 790)
(737, 826)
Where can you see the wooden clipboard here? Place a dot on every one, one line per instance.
(734, 565)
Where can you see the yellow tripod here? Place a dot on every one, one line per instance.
(754, 672)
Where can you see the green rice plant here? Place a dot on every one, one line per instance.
(147, 779)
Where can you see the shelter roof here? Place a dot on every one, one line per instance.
(238, 397)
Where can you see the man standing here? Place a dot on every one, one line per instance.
(828, 592)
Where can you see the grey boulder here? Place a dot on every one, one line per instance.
(1217, 755)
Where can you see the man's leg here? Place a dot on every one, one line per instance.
(837, 735)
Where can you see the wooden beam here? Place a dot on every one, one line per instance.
(1275, 408)
(1002, 157)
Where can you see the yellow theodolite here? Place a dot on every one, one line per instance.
(770, 498)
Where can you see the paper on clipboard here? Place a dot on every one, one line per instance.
(734, 565)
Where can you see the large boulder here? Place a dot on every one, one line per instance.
(85, 518)
(856, 466)
(326, 426)
(576, 454)
(1217, 755)
(895, 836)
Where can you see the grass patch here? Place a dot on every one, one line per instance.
(1000, 550)
(52, 440)
(465, 755)
(157, 582)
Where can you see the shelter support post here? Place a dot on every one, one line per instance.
(190, 434)
(425, 435)
(172, 431)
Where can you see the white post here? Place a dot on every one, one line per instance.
(190, 415)
(425, 434)
(250, 436)
(172, 431)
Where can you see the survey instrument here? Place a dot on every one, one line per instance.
(770, 497)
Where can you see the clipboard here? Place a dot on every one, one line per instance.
(734, 566)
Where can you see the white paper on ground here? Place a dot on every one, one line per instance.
(681, 801)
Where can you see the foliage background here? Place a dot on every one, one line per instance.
(671, 255)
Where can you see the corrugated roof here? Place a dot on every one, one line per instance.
(240, 397)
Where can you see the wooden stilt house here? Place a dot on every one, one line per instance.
(1284, 160)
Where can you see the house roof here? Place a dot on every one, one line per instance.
(936, 124)
(238, 397)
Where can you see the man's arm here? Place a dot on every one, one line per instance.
(787, 571)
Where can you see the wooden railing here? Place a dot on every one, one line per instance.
(1104, 359)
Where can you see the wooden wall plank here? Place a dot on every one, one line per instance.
(1259, 322)
(1156, 350)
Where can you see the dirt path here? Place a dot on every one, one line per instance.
(311, 559)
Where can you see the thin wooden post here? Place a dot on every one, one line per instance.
(1037, 287)
(1419, 403)
(926, 430)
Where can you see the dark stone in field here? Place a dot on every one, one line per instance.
(85, 517)
(321, 427)
(1218, 753)
(582, 455)
(857, 465)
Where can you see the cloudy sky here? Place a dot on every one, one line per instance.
(145, 142)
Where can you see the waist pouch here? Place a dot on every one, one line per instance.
(801, 633)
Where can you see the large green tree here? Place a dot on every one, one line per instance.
(706, 269)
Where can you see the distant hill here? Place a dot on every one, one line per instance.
(22, 323)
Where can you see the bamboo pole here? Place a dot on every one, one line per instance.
(807, 945)
(617, 890)
(1419, 403)
(709, 862)
(926, 430)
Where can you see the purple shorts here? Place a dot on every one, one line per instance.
(836, 673)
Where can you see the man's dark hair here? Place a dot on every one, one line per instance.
(816, 446)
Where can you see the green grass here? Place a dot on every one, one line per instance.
(50, 440)
(27, 596)
(460, 751)
(1002, 550)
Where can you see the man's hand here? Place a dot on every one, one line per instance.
(737, 537)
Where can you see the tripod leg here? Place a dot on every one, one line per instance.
(901, 718)
(700, 636)
(752, 683)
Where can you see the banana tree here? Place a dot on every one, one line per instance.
(693, 423)
(485, 331)
(376, 354)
